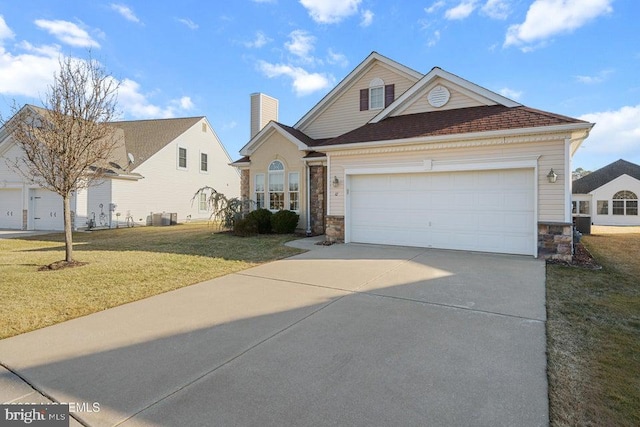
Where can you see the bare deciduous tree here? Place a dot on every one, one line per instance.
(68, 143)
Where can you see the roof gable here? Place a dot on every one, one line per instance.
(353, 77)
(296, 137)
(439, 77)
(144, 138)
(604, 175)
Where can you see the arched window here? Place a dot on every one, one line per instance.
(625, 202)
(276, 185)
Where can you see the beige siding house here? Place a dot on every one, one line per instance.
(392, 156)
(157, 169)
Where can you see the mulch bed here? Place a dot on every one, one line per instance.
(581, 258)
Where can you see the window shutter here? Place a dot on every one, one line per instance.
(389, 94)
(364, 99)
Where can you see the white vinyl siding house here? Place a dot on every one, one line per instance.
(161, 164)
(609, 196)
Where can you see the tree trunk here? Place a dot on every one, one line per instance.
(68, 237)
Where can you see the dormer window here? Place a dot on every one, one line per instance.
(377, 96)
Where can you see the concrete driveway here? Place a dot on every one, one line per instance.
(342, 335)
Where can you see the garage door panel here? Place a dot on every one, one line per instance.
(11, 208)
(420, 182)
(47, 210)
(482, 210)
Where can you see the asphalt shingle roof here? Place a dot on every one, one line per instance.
(144, 138)
(451, 122)
(600, 177)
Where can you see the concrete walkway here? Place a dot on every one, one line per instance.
(341, 335)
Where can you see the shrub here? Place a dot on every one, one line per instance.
(284, 222)
(245, 227)
(262, 217)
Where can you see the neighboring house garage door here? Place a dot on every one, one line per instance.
(11, 208)
(487, 211)
(46, 210)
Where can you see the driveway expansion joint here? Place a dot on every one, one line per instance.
(228, 361)
(36, 390)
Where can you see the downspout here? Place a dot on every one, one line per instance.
(308, 170)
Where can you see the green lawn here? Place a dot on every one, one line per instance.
(593, 334)
(124, 265)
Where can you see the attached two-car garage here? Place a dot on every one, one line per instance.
(487, 210)
(44, 209)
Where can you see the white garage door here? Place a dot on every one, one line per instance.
(11, 208)
(488, 211)
(46, 210)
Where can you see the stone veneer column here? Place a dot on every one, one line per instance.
(555, 241)
(335, 228)
(244, 189)
(25, 219)
(317, 201)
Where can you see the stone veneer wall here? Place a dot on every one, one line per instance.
(555, 241)
(244, 189)
(318, 200)
(335, 228)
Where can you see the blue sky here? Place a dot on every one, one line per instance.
(580, 58)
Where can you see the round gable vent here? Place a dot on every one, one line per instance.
(438, 96)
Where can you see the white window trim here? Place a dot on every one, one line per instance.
(624, 202)
(184, 168)
(200, 201)
(268, 191)
(263, 192)
(376, 83)
(200, 163)
(288, 196)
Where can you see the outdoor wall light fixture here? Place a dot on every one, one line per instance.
(552, 176)
(336, 181)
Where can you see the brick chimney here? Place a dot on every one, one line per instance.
(263, 109)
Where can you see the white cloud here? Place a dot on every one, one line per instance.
(30, 73)
(5, 31)
(125, 11)
(511, 93)
(598, 78)
(260, 40)
(304, 83)
(496, 9)
(367, 18)
(230, 125)
(330, 11)
(301, 44)
(435, 6)
(546, 18)
(335, 58)
(186, 103)
(189, 23)
(136, 104)
(67, 32)
(434, 39)
(461, 11)
(616, 132)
